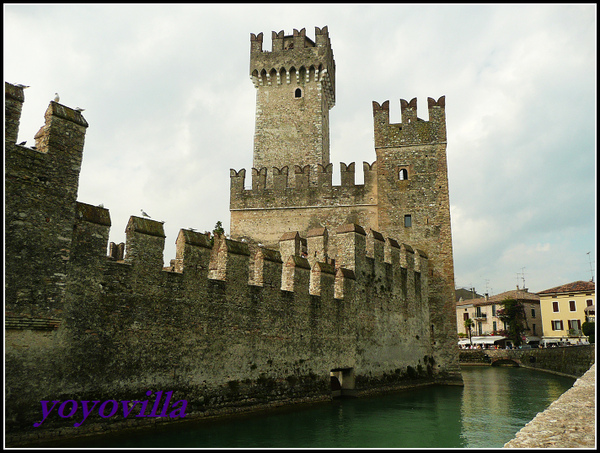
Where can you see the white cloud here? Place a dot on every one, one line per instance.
(171, 109)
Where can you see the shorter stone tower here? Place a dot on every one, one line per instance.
(414, 205)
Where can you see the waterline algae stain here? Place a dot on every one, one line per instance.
(492, 406)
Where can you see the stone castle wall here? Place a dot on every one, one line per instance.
(405, 195)
(291, 203)
(323, 283)
(232, 325)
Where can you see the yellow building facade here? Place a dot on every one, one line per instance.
(564, 310)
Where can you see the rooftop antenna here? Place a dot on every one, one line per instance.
(522, 274)
(591, 268)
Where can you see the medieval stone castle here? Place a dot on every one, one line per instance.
(320, 290)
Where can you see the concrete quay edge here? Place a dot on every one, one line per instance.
(569, 422)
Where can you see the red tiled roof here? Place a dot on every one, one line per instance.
(499, 298)
(575, 287)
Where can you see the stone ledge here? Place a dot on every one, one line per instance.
(569, 422)
(30, 323)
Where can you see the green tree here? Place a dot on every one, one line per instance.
(218, 230)
(589, 330)
(468, 325)
(512, 314)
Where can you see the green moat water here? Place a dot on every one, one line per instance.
(487, 412)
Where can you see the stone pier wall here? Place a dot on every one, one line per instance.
(571, 361)
(569, 422)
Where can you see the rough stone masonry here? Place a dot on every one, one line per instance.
(405, 192)
(300, 303)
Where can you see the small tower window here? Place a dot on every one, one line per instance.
(298, 93)
(403, 174)
(407, 221)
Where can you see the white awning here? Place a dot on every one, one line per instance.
(481, 340)
(549, 340)
(488, 340)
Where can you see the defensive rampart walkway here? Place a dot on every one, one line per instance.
(569, 422)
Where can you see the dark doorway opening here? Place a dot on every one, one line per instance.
(342, 382)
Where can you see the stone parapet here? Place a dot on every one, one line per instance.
(412, 130)
(293, 56)
(569, 422)
(569, 361)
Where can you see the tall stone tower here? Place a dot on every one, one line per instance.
(405, 192)
(295, 88)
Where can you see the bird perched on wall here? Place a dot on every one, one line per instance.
(56, 97)
(23, 143)
(79, 109)
(144, 213)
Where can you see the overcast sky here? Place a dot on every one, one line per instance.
(171, 107)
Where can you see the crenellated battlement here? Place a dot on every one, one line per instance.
(13, 103)
(281, 187)
(412, 130)
(294, 59)
(295, 84)
(333, 260)
(297, 40)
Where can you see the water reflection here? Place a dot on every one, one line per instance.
(493, 405)
(498, 402)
